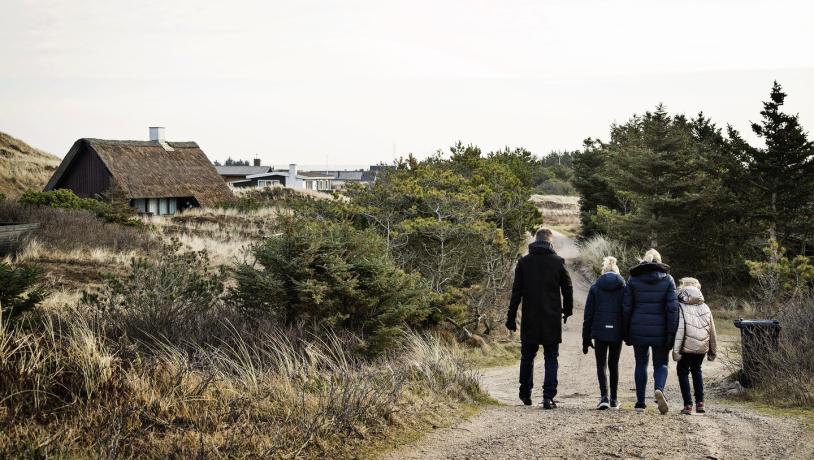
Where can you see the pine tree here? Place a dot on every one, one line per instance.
(779, 177)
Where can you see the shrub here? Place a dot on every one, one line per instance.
(595, 248)
(69, 229)
(331, 274)
(116, 210)
(784, 372)
(780, 278)
(170, 297)
(20, 290)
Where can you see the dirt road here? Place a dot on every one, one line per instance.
(576, 430)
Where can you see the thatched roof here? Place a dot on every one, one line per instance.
(241, 170)
(145, 169)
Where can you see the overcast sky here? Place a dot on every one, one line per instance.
(350, 82)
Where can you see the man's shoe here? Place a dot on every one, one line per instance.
(687, 410)
(614, 404)
(640, 407)
(699, 408)
(549, 404)
(604, 403)
(661, 400)
(526, 400)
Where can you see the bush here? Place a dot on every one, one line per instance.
(67, 229)
(331, 274)
(592, 250)
(117, 210)
(784, 372)
(20, 290)
(779, 278)
(169, 297)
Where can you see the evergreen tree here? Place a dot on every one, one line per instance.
(778, 178)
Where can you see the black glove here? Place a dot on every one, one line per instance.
(511, 325)
(586, 345)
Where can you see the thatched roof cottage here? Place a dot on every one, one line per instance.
(158, 177)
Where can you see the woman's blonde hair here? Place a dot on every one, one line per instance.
(609, 265)
(686, 282)
(652, 256)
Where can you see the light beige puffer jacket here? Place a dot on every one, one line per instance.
(696, 329)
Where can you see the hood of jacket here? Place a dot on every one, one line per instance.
(691, 295)
(541, 247)
(650, 272)
(610, 282)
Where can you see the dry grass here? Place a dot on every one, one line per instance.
(66, 391)
(594, 249)
(559, 212)
(23, 167)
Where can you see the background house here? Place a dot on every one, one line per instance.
(234, 173)
(291, 178)
(158, 177)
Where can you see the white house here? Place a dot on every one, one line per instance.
(291, 178)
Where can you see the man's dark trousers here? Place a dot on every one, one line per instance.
(550, 353)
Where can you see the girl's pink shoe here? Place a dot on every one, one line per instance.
(699, 408)
(687, 410)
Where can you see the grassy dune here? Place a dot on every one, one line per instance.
(23, 167)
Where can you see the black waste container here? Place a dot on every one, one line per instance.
(757, 337)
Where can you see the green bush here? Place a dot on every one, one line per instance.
(20, 289)
(170, 296)
(331, 274)
(116, 210)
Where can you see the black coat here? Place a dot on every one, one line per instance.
(650, 306)
(603, 309)
(539, 280)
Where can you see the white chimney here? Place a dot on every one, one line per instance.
(157, 134)
(292, 170)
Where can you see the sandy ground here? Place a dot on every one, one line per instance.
(576, 430)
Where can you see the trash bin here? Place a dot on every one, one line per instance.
(757, 337)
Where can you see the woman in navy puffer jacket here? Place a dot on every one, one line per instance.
(651, 319)
(603, 324)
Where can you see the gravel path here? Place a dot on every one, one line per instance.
(576, 430)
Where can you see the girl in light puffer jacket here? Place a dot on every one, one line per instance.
(695, 338)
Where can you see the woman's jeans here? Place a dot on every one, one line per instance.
(642, 354)
(690, 363)
(607, 355)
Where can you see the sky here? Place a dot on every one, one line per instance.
(355, 82)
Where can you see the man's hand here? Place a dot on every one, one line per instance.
(710, 356)
(586, 345)
(511, 325)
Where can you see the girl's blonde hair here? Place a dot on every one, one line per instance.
(609, 265)
(686, 282)
(652, 256)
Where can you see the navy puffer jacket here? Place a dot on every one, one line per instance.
(650, 306)
(603, 310)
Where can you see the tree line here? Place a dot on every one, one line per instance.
(700, 193)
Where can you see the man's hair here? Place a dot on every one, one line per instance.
(543, 234)
(652, 256)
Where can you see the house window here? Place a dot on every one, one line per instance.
(152, 206)
(140, 205)
(163, 208)
(267, 183)
(172, 205)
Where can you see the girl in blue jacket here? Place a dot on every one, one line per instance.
(603, 324)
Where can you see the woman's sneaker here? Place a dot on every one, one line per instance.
(687, 410)
(699, 408)
(549, 404)
(604, 403)
(640, 407)
(661, 400)
(614, 404)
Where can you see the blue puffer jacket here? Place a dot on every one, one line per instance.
(650, 306)
(603, 310)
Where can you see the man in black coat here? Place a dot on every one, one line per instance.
(539, 280)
